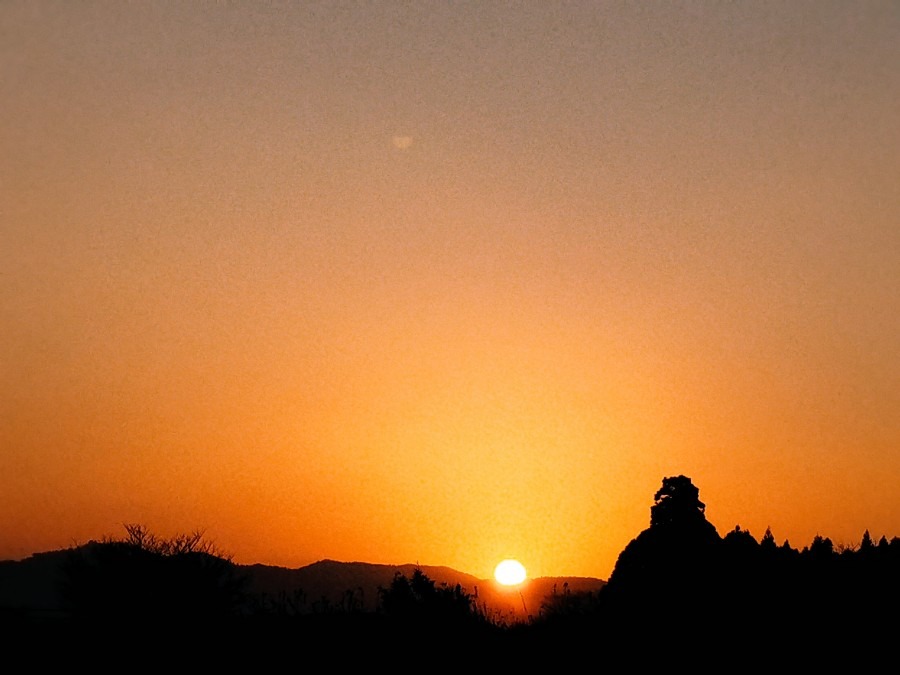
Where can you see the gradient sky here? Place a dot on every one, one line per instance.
(447, 282)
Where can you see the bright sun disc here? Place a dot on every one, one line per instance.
(510, 573)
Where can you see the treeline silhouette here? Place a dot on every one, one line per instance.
(678, 583)
(678, 580)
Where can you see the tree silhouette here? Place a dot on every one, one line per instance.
(677, 504)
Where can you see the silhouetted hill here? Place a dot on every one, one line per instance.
(31, 586)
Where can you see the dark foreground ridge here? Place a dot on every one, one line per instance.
(679, 593)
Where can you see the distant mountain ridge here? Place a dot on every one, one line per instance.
(31, 585)
(329, 582)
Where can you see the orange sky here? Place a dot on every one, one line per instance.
(447, 283)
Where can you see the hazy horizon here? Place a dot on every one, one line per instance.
(447, 282)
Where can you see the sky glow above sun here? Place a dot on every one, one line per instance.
(435, 282)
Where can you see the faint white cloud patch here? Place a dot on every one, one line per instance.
(402, 142)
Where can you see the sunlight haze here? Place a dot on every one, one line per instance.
(447, 283)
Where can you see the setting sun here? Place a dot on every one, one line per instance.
(510, 573)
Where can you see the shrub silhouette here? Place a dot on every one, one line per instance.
(148, 579)
(417, 605)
